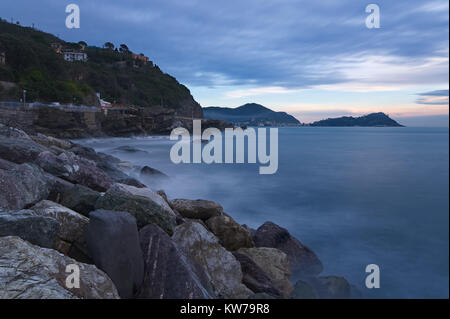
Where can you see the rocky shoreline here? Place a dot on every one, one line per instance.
(65, 204)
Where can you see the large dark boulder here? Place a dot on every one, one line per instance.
(74, 169)
(72, 229)
(303, 260)
(254, 277)
(144, 204)
(107, 163)
(231, 235)
(80, 198)
(196, 209)
(22, 185)
(30, 226)
(19, 150)
(169, 273)
(113, 243)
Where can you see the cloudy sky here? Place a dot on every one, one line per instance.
(314, 59)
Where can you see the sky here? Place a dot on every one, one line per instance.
(313, 59)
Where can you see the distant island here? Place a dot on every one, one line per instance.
(250, 114)
(374, 119)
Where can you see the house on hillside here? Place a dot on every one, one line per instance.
(140, 57)
(2, 58)
(72, 56)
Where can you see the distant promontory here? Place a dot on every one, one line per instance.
(371, 120)
(251, 114)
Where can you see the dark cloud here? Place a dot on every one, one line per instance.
(437, 97)
(262, 43)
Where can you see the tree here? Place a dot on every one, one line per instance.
(109, 46)
(82, 44)
(124, 48)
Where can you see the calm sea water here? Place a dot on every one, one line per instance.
(356, 196)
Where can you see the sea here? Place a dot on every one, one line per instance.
(356, 196)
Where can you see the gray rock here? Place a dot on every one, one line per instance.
(274, 264)
(72, 229)
(30, 226)
(169, 273)
(144, 204)
(132, 182)
(11, 132)
(49, 141)
(254, 277)
(22, 186)
(196, 209)
(149, 171)
(231, 235)
(303, 260)
(105, 162)
(303, 290)
(113, 243)
(19, 150)
(74, 169)
(31, 272)
(80, 199)
(219, 264)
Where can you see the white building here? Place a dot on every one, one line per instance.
(72, 56)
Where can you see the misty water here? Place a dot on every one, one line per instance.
(356, 196)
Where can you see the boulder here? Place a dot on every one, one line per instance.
(303, 260)
(105, 162)
(144, 204)
(231, 235)
(11, 132)
(49, 141)
(72, 229)
(196, 209)
(23, 185)
(254, 277)
(169, 273)
(30, 226)
(74, 169)
(274, 263)
(303, 290)
(80, 198)
(219, 264)
(31, 272)
(149, 171)
(19, 150)
(132, 182)
(331, 287)
(113, 244)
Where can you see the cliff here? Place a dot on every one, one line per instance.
(79, 122)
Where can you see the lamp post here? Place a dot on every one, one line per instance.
(24, 97)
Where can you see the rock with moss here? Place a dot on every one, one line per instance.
(274, 263)
(231, 235)
(196, 209)
(144, 204)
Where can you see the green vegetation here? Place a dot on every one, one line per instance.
(33, 64)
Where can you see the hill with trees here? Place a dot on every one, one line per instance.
(250, 114)
(35, 63)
